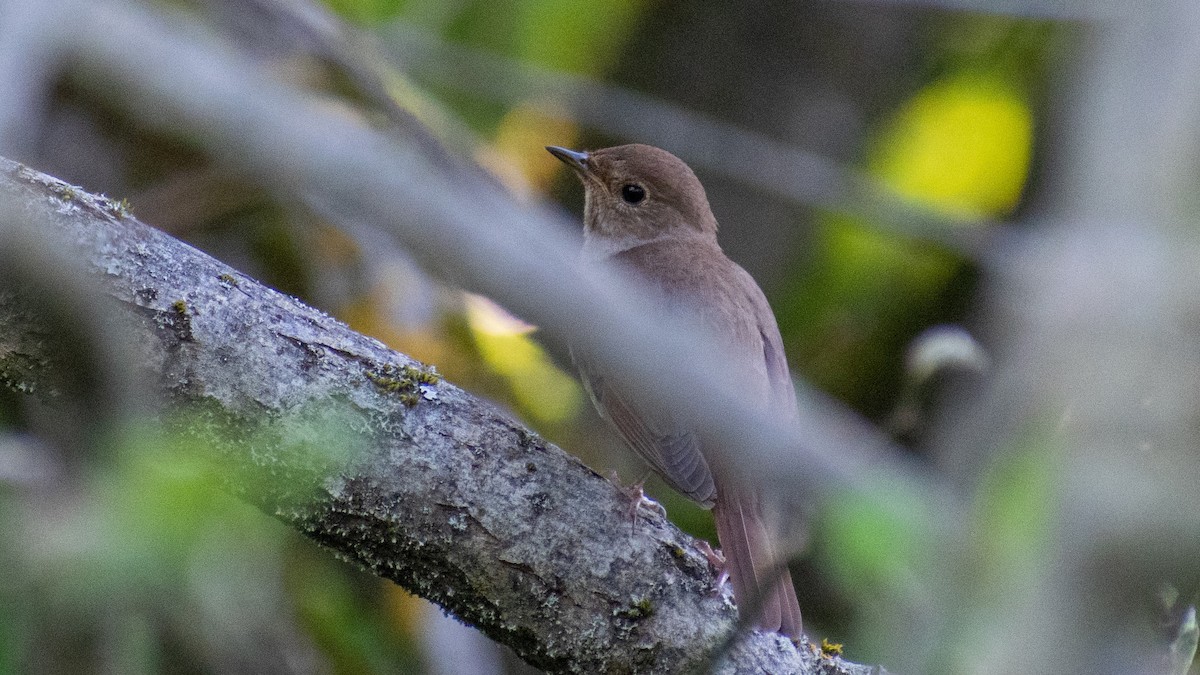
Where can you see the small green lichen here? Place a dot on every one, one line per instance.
(637, 610)
(178, 320)
(403, 380)
(830, 649)
(228, 279)
(120, 208)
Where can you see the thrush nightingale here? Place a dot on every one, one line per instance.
(646, 215)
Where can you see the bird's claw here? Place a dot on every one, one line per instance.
(637, 499)
(717, 562)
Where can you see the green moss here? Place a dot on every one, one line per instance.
(120, 208)
(830, 649)
(404, 381)
(178, 320)
(228, 279)
(637, 610)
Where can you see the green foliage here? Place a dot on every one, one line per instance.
(367, 12)
(876, 548)
(139, 541)
(149, 560)
(145, 559)
(1013, 535)
(576, 35)
(343, 612)
(541, 390)
(580, 36)
(960, 145)
(1016, 507)
(854, 313)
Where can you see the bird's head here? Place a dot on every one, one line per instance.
(639, 192)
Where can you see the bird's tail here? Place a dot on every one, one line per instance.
(757, 572)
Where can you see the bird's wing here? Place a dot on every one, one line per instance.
(781, 392)
(756, 364)
(672, 452)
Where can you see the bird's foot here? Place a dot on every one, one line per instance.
(637, 499)
(717, 562)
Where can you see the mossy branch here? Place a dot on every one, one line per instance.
(389, 466)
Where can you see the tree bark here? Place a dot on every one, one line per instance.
(372, 455)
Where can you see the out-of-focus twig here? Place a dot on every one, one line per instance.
(31, 51)
(1097, 350)
(740, 154)
(468, 231)
(1070, 10)
(370, 454)
(1182, 650)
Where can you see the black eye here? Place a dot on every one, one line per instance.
(633, 193)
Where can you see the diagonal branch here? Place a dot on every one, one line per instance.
(368, 453)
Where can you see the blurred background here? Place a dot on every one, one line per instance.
(879, 167)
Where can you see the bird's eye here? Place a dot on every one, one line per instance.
(633, 193)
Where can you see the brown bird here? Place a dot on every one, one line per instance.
(646, 213)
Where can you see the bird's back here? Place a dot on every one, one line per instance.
(713, 291)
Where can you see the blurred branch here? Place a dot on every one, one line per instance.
(444, 494)
(1182, 650)
(475, 236)
(72, 354)
(1026, 9)
(31, 37)
(743, 155)
(311, 28)
(1095, 329)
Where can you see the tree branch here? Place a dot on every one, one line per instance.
(365, 451)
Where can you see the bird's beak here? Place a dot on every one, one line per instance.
(573, 158)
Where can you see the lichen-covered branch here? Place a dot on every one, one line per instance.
(369, 453)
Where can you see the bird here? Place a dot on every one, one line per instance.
(647, 215)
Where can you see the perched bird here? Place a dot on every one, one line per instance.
(646, 214)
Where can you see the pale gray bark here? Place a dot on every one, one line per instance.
(337, 435)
